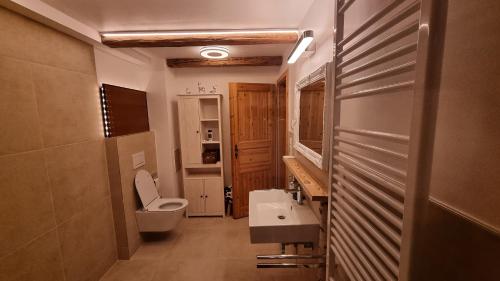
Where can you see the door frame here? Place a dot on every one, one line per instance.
(282, 79)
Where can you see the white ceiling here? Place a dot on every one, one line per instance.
(235, 51)
(116, 15)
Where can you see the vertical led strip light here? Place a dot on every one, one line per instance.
(105, 118)
(301, 46)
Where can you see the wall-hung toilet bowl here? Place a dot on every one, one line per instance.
(158, 214)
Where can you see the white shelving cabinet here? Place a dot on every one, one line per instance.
(203, 183)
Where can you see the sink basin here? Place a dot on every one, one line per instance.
(274, 217)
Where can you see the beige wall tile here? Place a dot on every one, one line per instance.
(18, 108)
(133, 235)
(26, 204)
(78, 177)
(128, 145)
(102, 239)
(48, 88)
(75, 247)
(115, 187)
(68, 104)
(88, 242)
(39, 261)
(465, 170)
(28, 40)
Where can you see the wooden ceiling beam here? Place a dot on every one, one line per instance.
(197, 38)
(237, 61)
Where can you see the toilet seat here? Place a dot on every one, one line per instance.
(167, 205)
(150, 197)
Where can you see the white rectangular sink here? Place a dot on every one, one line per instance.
(274, 217)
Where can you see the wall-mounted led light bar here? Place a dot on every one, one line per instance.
(106, 123)
(301, 46)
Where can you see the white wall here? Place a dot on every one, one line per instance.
(320, 19)
(178, 80)
(115, 70)
(163, 84)
(149, 76)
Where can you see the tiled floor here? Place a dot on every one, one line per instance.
(212, 249)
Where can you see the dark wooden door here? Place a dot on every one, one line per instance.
(252, 141)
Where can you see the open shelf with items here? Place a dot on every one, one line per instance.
(213, 126)
(203, 167)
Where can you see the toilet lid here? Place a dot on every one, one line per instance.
(146, 188)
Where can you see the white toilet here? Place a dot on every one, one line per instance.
(158, 214)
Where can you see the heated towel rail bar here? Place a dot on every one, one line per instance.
(377, 169)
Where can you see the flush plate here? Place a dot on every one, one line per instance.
(138, 159)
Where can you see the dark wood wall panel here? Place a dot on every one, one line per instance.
(453, 248)
(126, 110)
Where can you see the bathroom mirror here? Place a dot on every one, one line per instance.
(310, 119)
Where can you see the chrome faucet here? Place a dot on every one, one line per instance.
(294, 187)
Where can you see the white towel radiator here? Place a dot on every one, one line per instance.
(378, 165)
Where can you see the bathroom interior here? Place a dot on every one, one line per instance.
(332, 140)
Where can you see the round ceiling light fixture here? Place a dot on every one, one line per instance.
(214, 52)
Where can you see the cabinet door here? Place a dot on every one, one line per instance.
(214, 196)
(190, 127)
(193, 189)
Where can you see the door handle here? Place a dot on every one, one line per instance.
(236, 151)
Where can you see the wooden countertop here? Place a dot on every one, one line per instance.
(312, 188)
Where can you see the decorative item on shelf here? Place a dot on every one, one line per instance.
(201, 89)
(188, 92)
(214, 90)
(210, 135)
(211, 156)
